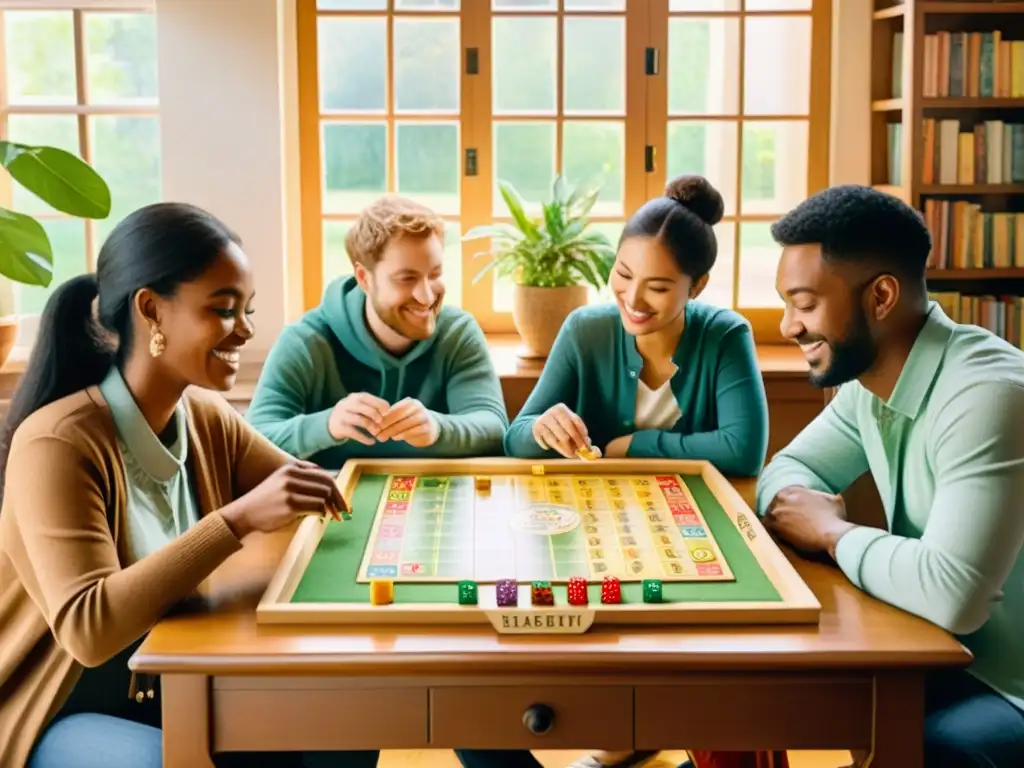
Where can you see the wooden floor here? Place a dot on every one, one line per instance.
(557, 759)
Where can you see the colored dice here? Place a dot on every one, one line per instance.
(611, 592)
(467, 593)
(507, 592)
(382, 591)
(541, 594)
(577, 590)
(652, 591)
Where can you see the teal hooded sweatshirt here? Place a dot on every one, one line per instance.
(330, 353)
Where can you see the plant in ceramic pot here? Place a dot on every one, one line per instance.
(66, 183)
(552, 260)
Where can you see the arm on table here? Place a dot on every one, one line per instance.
(68, 560)
(278, 407)
(826, 456)
(975, 529)
(477, 419)
(558, 383)
(739, 444)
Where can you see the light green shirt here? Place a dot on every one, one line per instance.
(946, 452)
(160, 502)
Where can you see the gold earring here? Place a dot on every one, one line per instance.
(157, 342)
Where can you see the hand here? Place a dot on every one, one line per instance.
(296, 489)
(357, 417)
(811, 521)
(409, 420)
(618, 448)
(561, 430)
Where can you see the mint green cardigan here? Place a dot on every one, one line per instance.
(594, 367)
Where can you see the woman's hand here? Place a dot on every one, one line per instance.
(296, 489)
(561, 430)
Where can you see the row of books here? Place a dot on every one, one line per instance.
(972, 65)
(966, 237)
(1002, 315)
(989, 152)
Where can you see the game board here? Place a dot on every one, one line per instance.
(540, 528)
(536, 546)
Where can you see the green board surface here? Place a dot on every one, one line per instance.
(332, 573)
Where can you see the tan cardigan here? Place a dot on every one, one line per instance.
(65, 598)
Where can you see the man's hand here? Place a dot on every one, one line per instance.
(618, 448)
(409, 421)
(809, 520)
(357, 417)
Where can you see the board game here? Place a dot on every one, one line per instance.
(551, 546)
(540, 528)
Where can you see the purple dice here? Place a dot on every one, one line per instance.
(507, 591)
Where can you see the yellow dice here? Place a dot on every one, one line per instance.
(382, 591)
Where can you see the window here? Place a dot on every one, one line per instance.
(439, 99)
(84, 81)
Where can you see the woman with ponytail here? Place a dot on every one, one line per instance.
(125, 483)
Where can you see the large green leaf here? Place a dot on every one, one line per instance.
(25, 252)
(59, 178)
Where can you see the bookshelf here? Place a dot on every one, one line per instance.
(947, 136)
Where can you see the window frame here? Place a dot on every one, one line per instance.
(646, 122)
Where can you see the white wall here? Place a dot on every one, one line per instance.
(223, 133)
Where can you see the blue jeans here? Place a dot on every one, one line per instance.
(968, 725)
(88, 740)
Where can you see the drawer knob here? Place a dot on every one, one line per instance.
(539, 719)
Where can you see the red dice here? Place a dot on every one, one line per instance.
(611, 592)
(577, 590)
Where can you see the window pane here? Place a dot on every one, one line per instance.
(524, 156)
(59, 131)
(40, 53)
(67, 241)
(427, 164)
(355, 165)
(595, 5)
(595, 151)
(774, 166)
(426, 65)
(524, 5)
(453, 264)
(524, 65)
(778, 5)
(595, 65)
(719, 288)
(703, 59)
(352, 5)
(613, 231)
(777, 65)
(759, 261)
(126, 153)
(121, 58)
(426, 5)
(353, 58)
(706, 149)
(705, 5)
(336, 262)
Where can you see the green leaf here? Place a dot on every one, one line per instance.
(58, 178)
(25, 252)
(517, 208)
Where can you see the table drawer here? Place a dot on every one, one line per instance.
(774, 712)
(315, 719)
(561, 717)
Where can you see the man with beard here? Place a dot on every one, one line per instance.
(381, 368)
(935, 411)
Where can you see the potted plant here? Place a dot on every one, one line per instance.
(66, 183)
(551, 259)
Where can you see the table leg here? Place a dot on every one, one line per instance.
(899, 720)
(185, 700)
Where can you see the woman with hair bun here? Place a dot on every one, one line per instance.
(656, 374)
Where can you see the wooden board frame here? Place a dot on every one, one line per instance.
(798, 605)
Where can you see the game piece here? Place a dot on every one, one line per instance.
(540, 592)
(382, 591)
(483, 483)
(611, 592)
(652, 590)
(577, 590)
(589, 454)
(507, 591)
(538, 469)
(467, 593)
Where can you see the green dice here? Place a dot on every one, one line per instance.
(467, 593)
(652, 591)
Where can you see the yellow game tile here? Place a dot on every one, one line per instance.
(589, 454)
(483, 483)
(538, 469)
(382, 591)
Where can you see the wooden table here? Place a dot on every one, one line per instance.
(853, 682)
